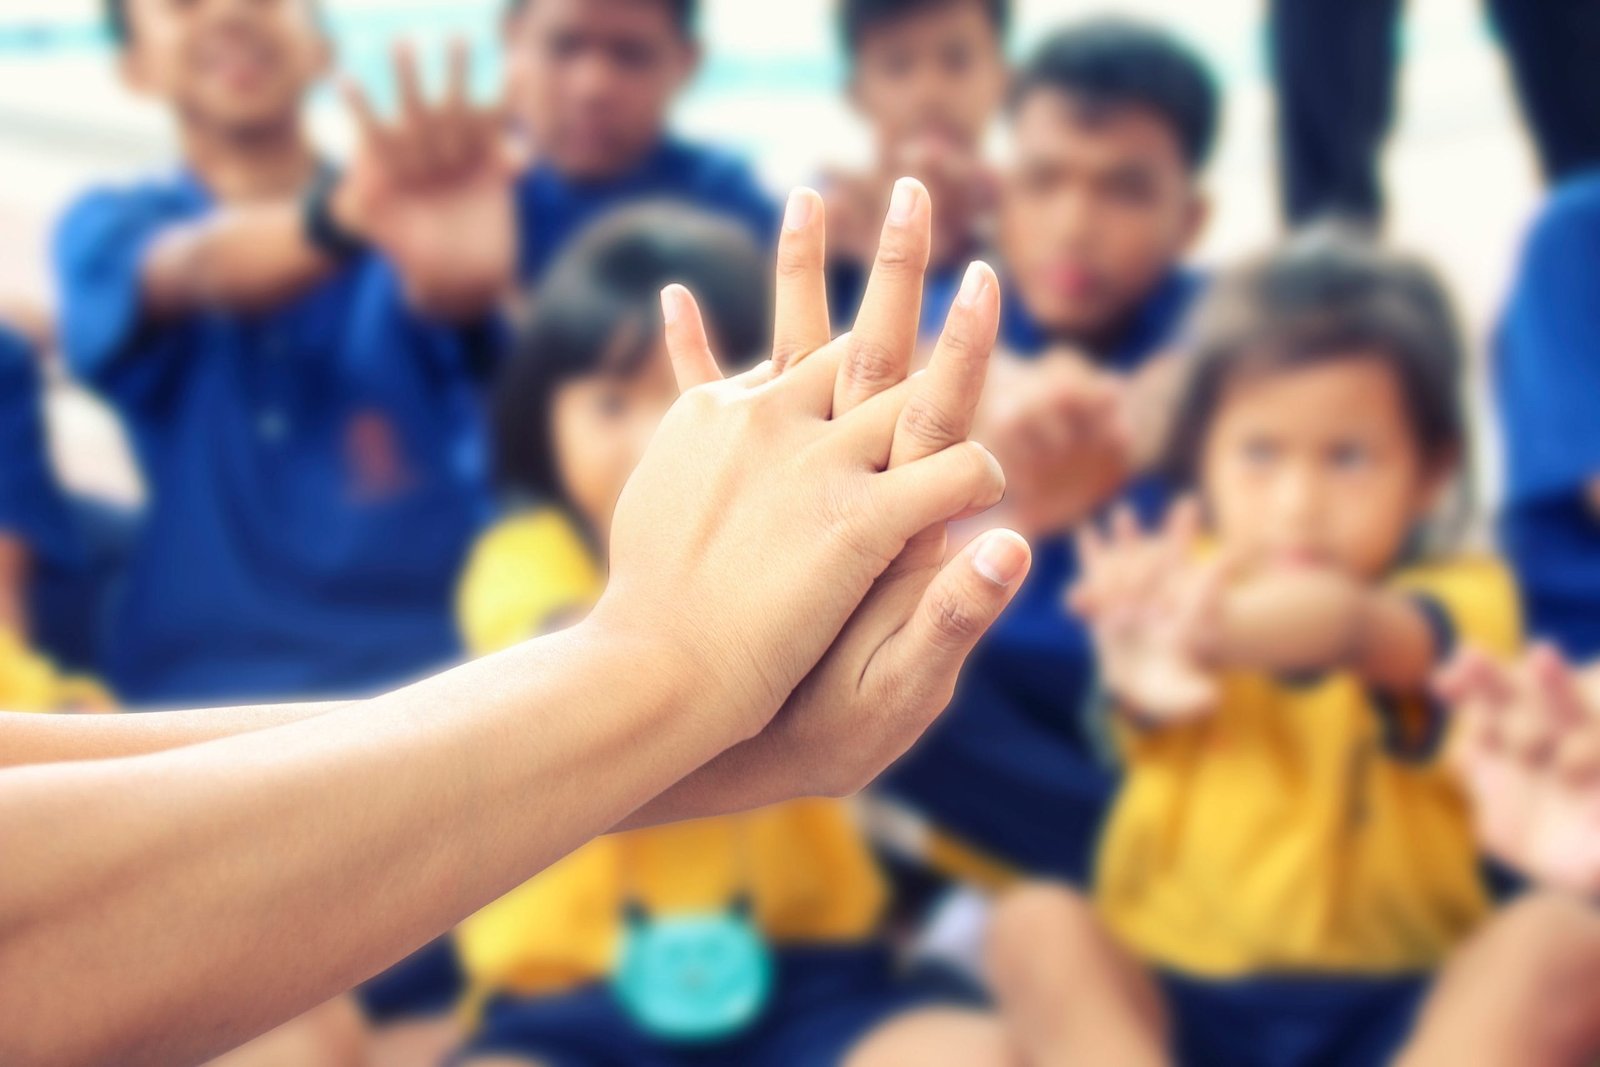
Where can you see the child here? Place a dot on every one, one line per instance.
(1547, 370)
(928, 76)
(744, 939)
(1288, 860)
(590, 84)
(307, 437)
(38, 535)
(1111, 124)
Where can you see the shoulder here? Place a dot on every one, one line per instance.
(1567, 227)
(525, 572)
(1477, 591)
(112, 218)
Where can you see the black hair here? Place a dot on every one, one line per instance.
(1117, 62)
(598, 312)
(1325, 294)
(685, 13)
(857, 17)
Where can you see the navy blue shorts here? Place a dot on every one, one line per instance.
(428, 982)
(824, 1002)
(1292, 1021)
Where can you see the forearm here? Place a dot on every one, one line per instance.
(34, 739)
(1319, 620)
(747, 776)
(364, 831)
(241, 258)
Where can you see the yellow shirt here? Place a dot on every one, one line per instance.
(805, 865)
(1279, 835)
(29, 682)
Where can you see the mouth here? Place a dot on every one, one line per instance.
(1069, 280)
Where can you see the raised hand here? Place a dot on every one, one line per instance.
(1527, 745)
(432, 189)
(1153, 609)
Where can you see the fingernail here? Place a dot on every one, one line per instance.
(798, 210)
(973, 284)
(903, 201)
(671, 304)
(1000, 558)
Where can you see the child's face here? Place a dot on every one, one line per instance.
(937, 73)
(1316, 466)
(237, 66)
(1099, 204)
(592, 79)
(600, 425)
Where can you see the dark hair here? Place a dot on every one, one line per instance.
(599, 312)
(1325, 294)
(1117, 62)
(685, 13)
(857, 17)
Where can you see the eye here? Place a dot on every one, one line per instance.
(1259, 451)
(1349, 455)
(611, 403)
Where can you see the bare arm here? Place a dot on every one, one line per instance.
(245, 258)
(1320, 620)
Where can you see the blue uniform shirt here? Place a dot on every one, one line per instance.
(552, 209)
(1547, 379)
(315, 472)
(32, 507)
(1011, 767)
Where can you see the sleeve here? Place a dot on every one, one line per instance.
(99, 252)
(1547, 357)
(32, 506)
(526, 576)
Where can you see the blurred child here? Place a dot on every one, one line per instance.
(1288, 860)
(744, 939)
(1547, 372)
(307, 437)
(37, 533)
(928, 76)
(590, 84)
(1111, 123)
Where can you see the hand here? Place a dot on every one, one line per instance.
(778, 488)
(1059, 428)
(433, 189)
(1152, 608)
(1527, 745)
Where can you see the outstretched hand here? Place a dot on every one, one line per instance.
(1152, 608)
(432, 189)
(878, 658)
(1527, 744)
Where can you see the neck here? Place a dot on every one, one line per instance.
(262, 163)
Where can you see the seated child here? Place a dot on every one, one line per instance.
(743, 939)
(38, 533)
(1288, 859)
(928, 76)
(1547, 372)
(1111, 123)
(590, 84)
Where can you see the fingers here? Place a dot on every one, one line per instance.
(943, 403)
(800, 310)
(687, 344)
(960, 480)
(960, 605)
(885, 332)
(359, 104)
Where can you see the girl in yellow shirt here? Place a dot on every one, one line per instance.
(1287, 861)
(743, 939)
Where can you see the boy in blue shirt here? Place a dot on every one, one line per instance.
(1547, 375)
(1111, 125)
(308, 436)
(590, 83)
(928, 77)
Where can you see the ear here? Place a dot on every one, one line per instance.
(1437, 482)
(1197, 215)
(327, 56)
(693, 55)
(130, 71)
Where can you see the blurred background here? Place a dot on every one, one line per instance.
(1460, 175)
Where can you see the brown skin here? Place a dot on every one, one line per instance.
(1098, 204)
(591, 80)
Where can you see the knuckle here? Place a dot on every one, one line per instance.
(870, 361)
(930, 424)
(795, 263)
(953, 620)
(898, 253)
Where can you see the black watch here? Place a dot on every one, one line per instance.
(321, 228)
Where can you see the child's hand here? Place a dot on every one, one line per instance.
(1527, 745)
(1060, 430)
(1152, 609)
(433, 189)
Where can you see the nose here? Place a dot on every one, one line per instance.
(1294, 503)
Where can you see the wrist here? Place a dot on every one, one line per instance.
(334, 216)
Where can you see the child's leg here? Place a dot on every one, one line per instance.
(1524, 990)
(1069, 993)
(934, 1036)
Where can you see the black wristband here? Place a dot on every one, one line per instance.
(321, 228)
